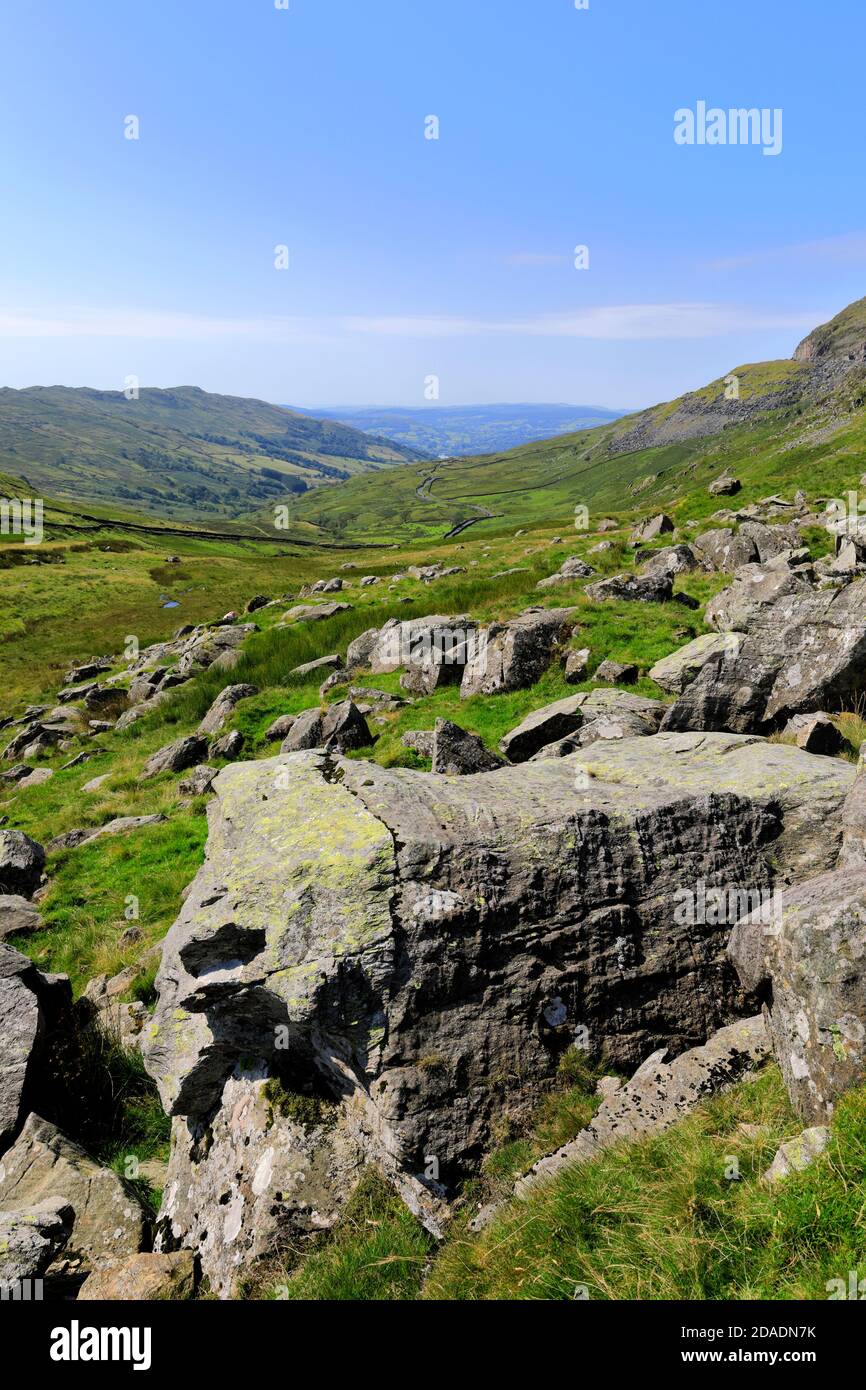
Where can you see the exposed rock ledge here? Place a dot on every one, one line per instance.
(422, 948)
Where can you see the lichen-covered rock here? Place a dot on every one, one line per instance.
(206, 647)
(43, 1163)
(795, 1155)
(228, 746)
(424, 948)
(674, 672)
(809, 963)
(726, 549)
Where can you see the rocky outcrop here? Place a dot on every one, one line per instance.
(43, 1164)
(31, 1005)
(205, 648)
(434, 650)
(803, 649)
(512, 655)
(398, 940)
(809, 964)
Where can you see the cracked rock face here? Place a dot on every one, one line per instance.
(803, 649)
(810, 966)
(425, 947)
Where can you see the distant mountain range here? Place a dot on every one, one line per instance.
(180, 453)
(451, 431)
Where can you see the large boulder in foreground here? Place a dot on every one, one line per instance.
(43, 1164)
(423, 949)
(803, 650)
(809, 963)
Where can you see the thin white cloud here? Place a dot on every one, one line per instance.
(619, 323)
(614, 323)
(535, 258)
(849, 249)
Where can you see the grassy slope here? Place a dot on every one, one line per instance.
(815, 443)
(176, 453)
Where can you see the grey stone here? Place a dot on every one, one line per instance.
(43, 1164)
(795, 1155)
(229, 746)
(458, 752)
(378, 917)
(176, 757)
(31, 1238)
(512, 655)
(18, 917)
(21, 863)
(543, 726)
(809, 962)
(322, 663)
(198, 782)
(223, 708)
(30, 1005)
(575, 666)
(674, 672)
(613, 671)
(655, 526)
(336, 727)
(639, 588)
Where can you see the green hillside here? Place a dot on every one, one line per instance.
(790, 423)
(181, 452)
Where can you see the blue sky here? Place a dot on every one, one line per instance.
(409, 257)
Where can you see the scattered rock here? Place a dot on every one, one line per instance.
(815, 733)
(809, 962)
(674, 672)
(420, 741)
(230, 746)
(457, 752)
(616, 672)
(30, 1005)
(21, 863)
(120, 825)
(313, 612)
(333, 662)
(543, 726)
(37, 777)
(337, 727)
(223, 708)
(797, 1154)
(18, 917)
(641, 588)
(198, 782)
(176, 757)
(724, 486)
(280, 727)
(648, 530)
(575, 666)
(512, 655)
